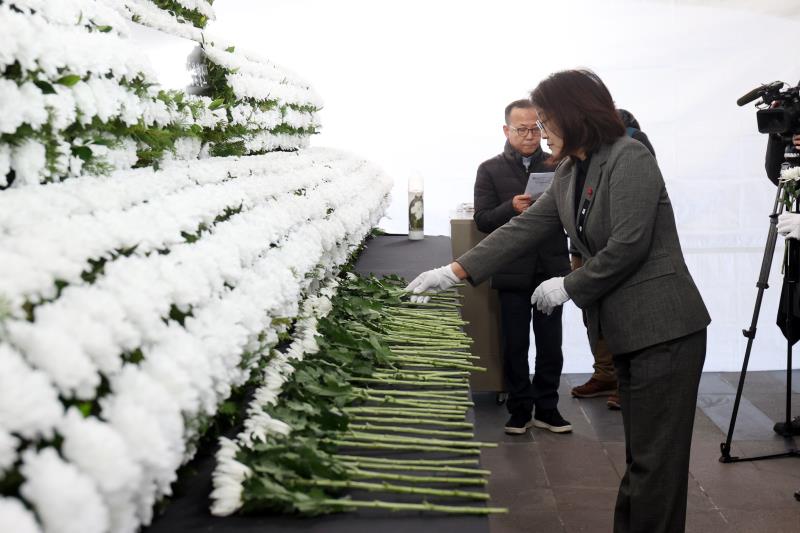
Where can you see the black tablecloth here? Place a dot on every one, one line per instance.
(188, 510)
(395, 254)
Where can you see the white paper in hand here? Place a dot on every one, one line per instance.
(538, 182)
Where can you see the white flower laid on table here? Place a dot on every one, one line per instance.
(232, 282)
(229, 475)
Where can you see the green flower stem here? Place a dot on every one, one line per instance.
(388, 487)
(431, 351)
(446, 374)
(426, 340)
(437, 394)
(424, 506)
(429, 305)
(405, 322)
(437, 363)
(412, 468)
(371, 437)
(415, 421)
(422, 431)
(369, 474)
(429, 373)
(414, 462)
(416, 331)
(408, 411)
(463, 357)
(437, 407)
(441, 361)
(427, 383)
(433, 401)
(402, 447)
(421, 315)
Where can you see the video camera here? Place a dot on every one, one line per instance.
(784, 118)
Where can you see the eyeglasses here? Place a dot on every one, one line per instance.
(523, 132)
(540, 125)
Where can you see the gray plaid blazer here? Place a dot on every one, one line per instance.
(634, 284)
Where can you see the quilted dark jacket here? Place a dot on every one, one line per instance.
(499, 179)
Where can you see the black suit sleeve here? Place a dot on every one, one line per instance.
(490, 212)
(774, 158)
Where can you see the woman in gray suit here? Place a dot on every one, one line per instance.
(609, 196)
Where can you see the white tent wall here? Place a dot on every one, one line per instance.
(420, 86)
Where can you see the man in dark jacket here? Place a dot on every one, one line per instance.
(499, 196)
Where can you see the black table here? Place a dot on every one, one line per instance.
(188, 509)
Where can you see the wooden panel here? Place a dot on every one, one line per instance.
(482, 311)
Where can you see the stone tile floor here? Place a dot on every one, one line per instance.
(568, 483)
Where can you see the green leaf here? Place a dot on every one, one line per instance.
(45, 87)
(216, 104)
(230, 49)
(85, 408)
(84, 152)
(104, 29)
(69, 80)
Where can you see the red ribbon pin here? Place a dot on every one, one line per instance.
(589, 191)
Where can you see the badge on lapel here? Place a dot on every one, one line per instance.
(589, 192)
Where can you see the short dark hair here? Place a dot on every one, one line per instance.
(521, 104)
(581, 107)
(628, 119)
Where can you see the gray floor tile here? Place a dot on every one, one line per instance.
(716, 400)
(777, 521)
(566, 483)
(570, 463)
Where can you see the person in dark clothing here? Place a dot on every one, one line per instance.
(604, 379)
(774, 157)
(634, 285)
(499, 197)
(634, 130)
(789, 226)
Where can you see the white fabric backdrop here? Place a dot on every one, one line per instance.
(420, 86)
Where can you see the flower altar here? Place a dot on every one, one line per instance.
(161, 250)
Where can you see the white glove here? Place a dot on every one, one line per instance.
(549, 295)
(789, 225)
(435, 280)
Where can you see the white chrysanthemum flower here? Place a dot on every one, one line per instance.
(97, 449)
(15, 517)
(5, 163)
(259, 424)
(29, 405)
(8, 451)
(790, 174)
(72, 371)
(228, 479)
(66, 500)
(28, 162)
(100, 452)
(146, 442)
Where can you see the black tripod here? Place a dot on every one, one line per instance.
(791, 277)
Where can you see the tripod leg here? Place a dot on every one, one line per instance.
(762, 284)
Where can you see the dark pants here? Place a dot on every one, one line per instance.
(516, 313)
(658, 392)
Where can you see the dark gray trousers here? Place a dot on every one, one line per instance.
(658, 390)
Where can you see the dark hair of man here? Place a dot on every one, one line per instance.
(628, 119)
(580, 107)
(521, 104)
